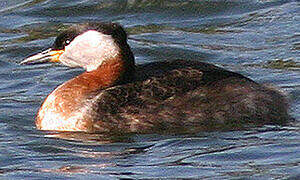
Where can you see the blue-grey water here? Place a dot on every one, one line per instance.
(258, 38)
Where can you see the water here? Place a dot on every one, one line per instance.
(258, 38)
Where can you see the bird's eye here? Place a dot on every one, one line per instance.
(67, 42)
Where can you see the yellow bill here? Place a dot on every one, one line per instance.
(48, 55)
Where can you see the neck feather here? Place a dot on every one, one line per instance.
(109, 73)
(70, 96)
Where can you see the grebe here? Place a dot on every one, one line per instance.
(115, 95)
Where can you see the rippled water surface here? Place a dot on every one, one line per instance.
(258, 38)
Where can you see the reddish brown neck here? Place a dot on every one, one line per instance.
(71, 96)
(107, 74)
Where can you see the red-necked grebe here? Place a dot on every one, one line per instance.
(115, 95)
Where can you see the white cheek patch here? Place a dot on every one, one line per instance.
(89, 50)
